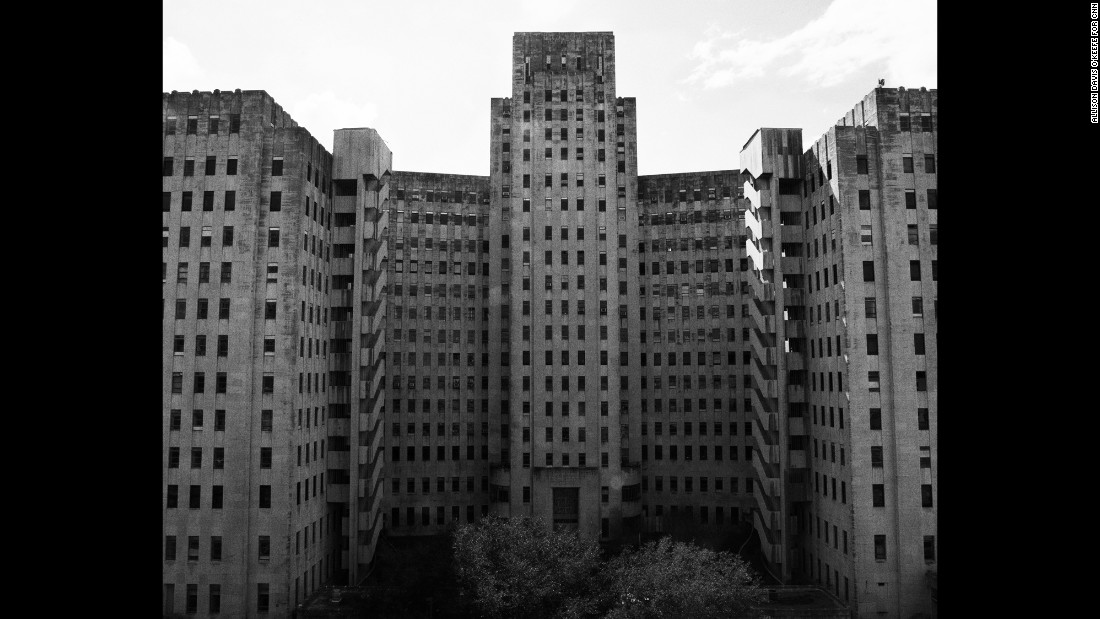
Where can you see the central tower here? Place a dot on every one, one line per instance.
(563, 302)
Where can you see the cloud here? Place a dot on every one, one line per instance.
(181, 68)
(851, 36)
(324, 112)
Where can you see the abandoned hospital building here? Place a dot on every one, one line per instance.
(352, 351)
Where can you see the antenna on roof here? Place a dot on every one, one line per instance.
(881, 82)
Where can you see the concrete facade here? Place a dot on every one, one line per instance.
(857, 269)
(696, 439)
(245, 393)
(563, 169)
(357, 335)
(561, 338)
(439, 430)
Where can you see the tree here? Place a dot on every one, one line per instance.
(520, 567)
(674, 579)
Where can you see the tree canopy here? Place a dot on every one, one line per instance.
(675, 579)
(522, 568)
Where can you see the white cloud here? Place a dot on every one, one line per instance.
(851, 36)
(322, 113)
(181, 68)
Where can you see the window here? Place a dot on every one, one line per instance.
(169, 547)
(216, 590)
(878, 495)
(910, 199)
(880, 548)
(914, 270)
(932, 199)
(868, 271)
(929, 544)
(870, 307)
(864, 200)
(200, 345)
(922, 381)
(262, 597)
(192, 125)
(211, 165)
(922, 418)
(930, 163)
(925, 457)
(266, 419)
(277, 166)
(918, 306)
(264, 548)
(861, 164)
(189, 166)
(876, 456)
(872, 344)
(918, 343)
(864, 238)
(166, 168)
(876, 418)
(231, 166)
(269, 309)
(872, 381)
(906, 164)
(276, 201)
(273, 237)
(926, 495)
(914, 236)
(265, 496)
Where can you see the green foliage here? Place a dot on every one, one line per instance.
(520, 567)
(674, 579)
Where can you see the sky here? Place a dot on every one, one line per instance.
(706, 74)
